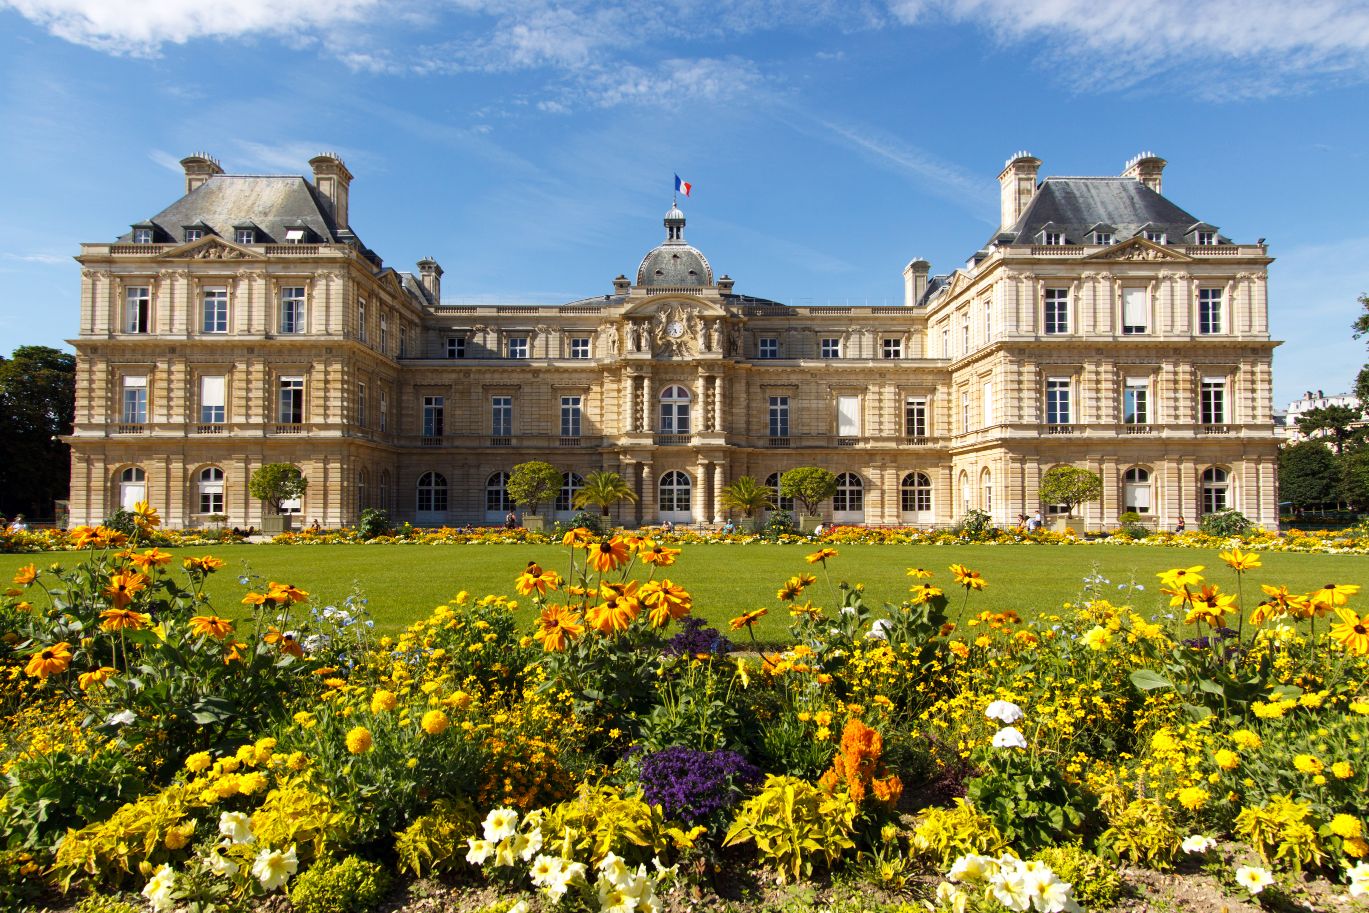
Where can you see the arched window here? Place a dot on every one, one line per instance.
(384, 489)
(964, 492)
(916, 493)
(432, 493)
(211, 490)
(850, 496)
(674, 411)
(986, 490)
(132, 487)
(363, 486)
(565, 498)
(772, 482)
(1136, 490)
(497, 494)
(1216, 489)
(675, 493)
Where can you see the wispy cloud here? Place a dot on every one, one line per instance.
(44, 259)
(166, 160)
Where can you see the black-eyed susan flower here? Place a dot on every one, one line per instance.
(52, 660)
(124, 620)
(970, 580)
(747, 619)
(607, 554)
(211, 626)
(821, 556)
(1351, 631)
(123, 587)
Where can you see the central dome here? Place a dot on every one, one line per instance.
(674, 263)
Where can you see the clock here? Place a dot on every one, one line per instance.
(674, 329)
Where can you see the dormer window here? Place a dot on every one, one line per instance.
(245, 235)
(294, 236)
(1102, 237)
(1207, 238)
(193, 234)
(1156, 237)
(1053, 238)
(142, 236)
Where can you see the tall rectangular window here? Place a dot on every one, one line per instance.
(362, 403)
(965, 411)
(1212, 407)
(848, 416)
(384, 411)
(213, 409)
(518, 347)
(501, 416)
(986, 413)
(384, 333)
(1058, 401)
(135, 400)
(915, 417)
(988, 321)
(291, 401)
(361, 319)
(893, 348)
(215, 310)
(779, 416)
(292, 309)
(570, 416)
(1209, 310)
(945, 342)
(579, 347)
(965, 334)
(1135, 311)
(138, 309)
(433, 409)
(1136, 401)
(831, 348)
(456, 346)
(1057, 310)
(768, 347)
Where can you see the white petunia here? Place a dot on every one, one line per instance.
(1253, 878)
(220, 864)
(122, 718)
(158, 889)
(971, 867)
(1197, 843)
(1004, 712)
(236, 826)
(1011, 891)
(1009, 737)
(1358, 875)
(274, 868)
(503, 853)
(532, 844)
(879, 630)
(615, 869)
(500, 823)
(544, 870)
(479, 850)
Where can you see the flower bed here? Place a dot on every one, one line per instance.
(623, 757)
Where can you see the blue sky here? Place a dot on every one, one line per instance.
(530, 146)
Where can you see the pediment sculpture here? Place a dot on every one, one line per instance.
(677, 330)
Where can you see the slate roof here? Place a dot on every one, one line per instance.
(1076, 205)
(674, 264)
(273, 203)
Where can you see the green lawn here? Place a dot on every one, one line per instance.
(405, 582)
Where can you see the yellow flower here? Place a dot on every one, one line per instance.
(178, 836)
(145, 515)
(746, 620)
(918, 573)
(383, 701)
(1352, 631)
(1346, 826)
(607, 554)
(923, 593)
(435, 722)
(1333, 595)
(1308, 764)
(1097, 638)
(970, 580)
(1226, 759)
(211, 625)
(1238, 560)
(49, 661)
(1244, 738)
(1357, 847)
(249, 783)
(1193, 797)
(198, 762)
(123, 587)
(1343, 770)
(359, 740)
(96, 677)
(1267, 711)
(1179, 577)
(26, 575)
(821, 556)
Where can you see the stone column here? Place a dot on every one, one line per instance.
(718, 492)
(701, 403)
(718, 423)
(704, 512)
(649, 510)
(648, 414)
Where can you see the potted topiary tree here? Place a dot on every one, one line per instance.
(1070, 486)
(603, 490)
(809, 486)
(750, 497)
(531, 485)
(273, 485)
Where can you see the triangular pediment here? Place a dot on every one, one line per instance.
(212, 248)
(675, 302)
(1139, 249)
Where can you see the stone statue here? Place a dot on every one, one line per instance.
(611, 338)
(712, 344)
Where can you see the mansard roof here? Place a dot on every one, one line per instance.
(1076, 205)
(274, 204)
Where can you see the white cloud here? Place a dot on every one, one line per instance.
(166, 160)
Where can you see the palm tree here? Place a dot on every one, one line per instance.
(748, 496)
(603, 490)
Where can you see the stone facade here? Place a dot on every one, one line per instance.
(248, 324)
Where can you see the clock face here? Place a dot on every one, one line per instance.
(674, 329)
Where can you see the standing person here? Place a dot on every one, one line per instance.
(1180, 526)
(511, 520)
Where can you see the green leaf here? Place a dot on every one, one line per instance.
(1149, 680)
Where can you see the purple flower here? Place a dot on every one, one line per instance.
(695, 786)
(696, 637)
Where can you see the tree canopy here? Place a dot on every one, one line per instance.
(808, 485)
(37, 407)
(748, 496)
(1070, 486)
(1336, 421)
(533, 483)
(1308, 474)
(276, 483)
(603, 490)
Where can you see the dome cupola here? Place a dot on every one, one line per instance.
(674, 263)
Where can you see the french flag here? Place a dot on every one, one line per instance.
(682, 186)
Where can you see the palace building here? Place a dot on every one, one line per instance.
(1100, 326)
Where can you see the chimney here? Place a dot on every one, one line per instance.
(430, 274)
(199, 167)
(1017, 185)
(915, 281)
(332, 179)
(1146, 168)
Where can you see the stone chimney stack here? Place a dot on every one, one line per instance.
(333, 179)
(915, 281)
(430, 274)
(1017, 185)
(199, 167)
(1146, 168)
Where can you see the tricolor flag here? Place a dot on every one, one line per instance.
(682, 186)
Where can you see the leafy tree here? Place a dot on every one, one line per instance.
(1308, 474)
(809, 485)
(748, 496)
(603, 490)
(276, 483)
(1337, 421)
(1070, 486)
(37, 406)
(1361, 327)
(533, 483)
(1354, 477)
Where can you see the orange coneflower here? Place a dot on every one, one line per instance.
(123, 587)
(1238, 560)
(748, 619)
(918, 573)
(577, 537)
(924, 593)
(145, 515)
(1352, 631)
(666, 601)
(821, 555)
(211, 625)
(51, 660)
(150, 559)
(789, 591)
(614, 614)
(656, 554)
(538, 581)
(233, 650)
(82, 536)
(124, 620)
(557, 627)
(1180, 577)
(1333, 595)
(284, 592)
(970, 580)
(26, 575)
(286, 642)
(97, 677)
(607, 554)
(206, 565)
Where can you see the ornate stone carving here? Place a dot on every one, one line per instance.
(676, 330)
(218, 252)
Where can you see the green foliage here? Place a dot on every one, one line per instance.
(300, 812)
(353, 885)
(19, 881)
(793, 825)
(603, 490)
(1096, 883)
(602, 820)
(121, 521)
(105, 903)
(51, 791)
(976, 524)
(748, 496)
(781, 523)
(37, 406)
(1142, 831)
(275, 483)
(374, 522)
(533, 483)
(1308, 474)
(1336, 421)
(695, 707)
(948, 833)
(1226, 522)
(1131, 525)
(436, 842)
(808, 485)
(1070, 486)
(580, 520)
(1031, 805)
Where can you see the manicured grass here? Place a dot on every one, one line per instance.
(405, 582)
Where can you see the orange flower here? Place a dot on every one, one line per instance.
(286, 642)
(748, 619)
(206, 565)
(145, 516)
(918, 573)
(538, 581)
(667, 601)
(26, 575)
(614, 614)
(284, 593)
(789, 591)
(807, 610)
(256, 599)
(97, 677)
(51, 660)
(150, 559)
(1333, 595)
(970, 580)
(108, 538)
(83, 536)
(233, 650)
(211, 625)
(1352, 631)
(821, 555)
(124, 619)
(923, 593)
(123, 587)
(557, 627)
(607, 554)
(577, 537)
(655, 554)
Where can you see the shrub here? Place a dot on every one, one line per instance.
(1132, 526)
(695, 786)
(602, 820)
(1095, 882)
(794, 824)
(808, 485)
(353, 885)
(781, 523)
(276, 483)
(105, 903)
(948, 833)
(582, 519)
(1228, 522)
(374, 522)
(121, 521)
(436, 842)
(1070, 486)
(534, 483)
(976, 524)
